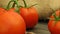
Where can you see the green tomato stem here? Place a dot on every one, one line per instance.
(13, 5)
(55, 17)
(25, 3)
(59, 13)
(32, 5)
(16, 2)
(8, 6)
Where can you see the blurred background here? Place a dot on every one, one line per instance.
(43, 6)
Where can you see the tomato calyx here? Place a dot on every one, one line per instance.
(56, 18)
(15, 2)
(13, 6)
(18, 6)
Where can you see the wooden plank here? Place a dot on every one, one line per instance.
(40, 28)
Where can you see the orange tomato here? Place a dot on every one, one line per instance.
(11, 23)
(2, 10)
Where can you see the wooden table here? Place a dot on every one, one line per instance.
(40, 28)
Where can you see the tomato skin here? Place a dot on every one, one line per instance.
(30, 16)
(53, 26)
(12, 23)
(2, 10)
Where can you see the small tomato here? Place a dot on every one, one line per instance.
(30, 16)
(54, 25)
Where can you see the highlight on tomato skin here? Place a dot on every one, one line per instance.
(12, 23)
(30, 16)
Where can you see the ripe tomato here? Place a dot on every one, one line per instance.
(30, 16)
(53, 25)
(2, 10)
(12, 23)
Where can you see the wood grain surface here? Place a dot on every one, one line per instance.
(40, 28)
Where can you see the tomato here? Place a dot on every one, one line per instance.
(2, 10)
(53, 25)
(30, 16)
(11, 23)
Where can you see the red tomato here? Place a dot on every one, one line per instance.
(53, 25)
(12, 23)
(30, 16)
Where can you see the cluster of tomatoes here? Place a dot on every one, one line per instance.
(13, 23)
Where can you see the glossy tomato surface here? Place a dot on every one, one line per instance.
(12, 23)
(53, 25)
(30, 16)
